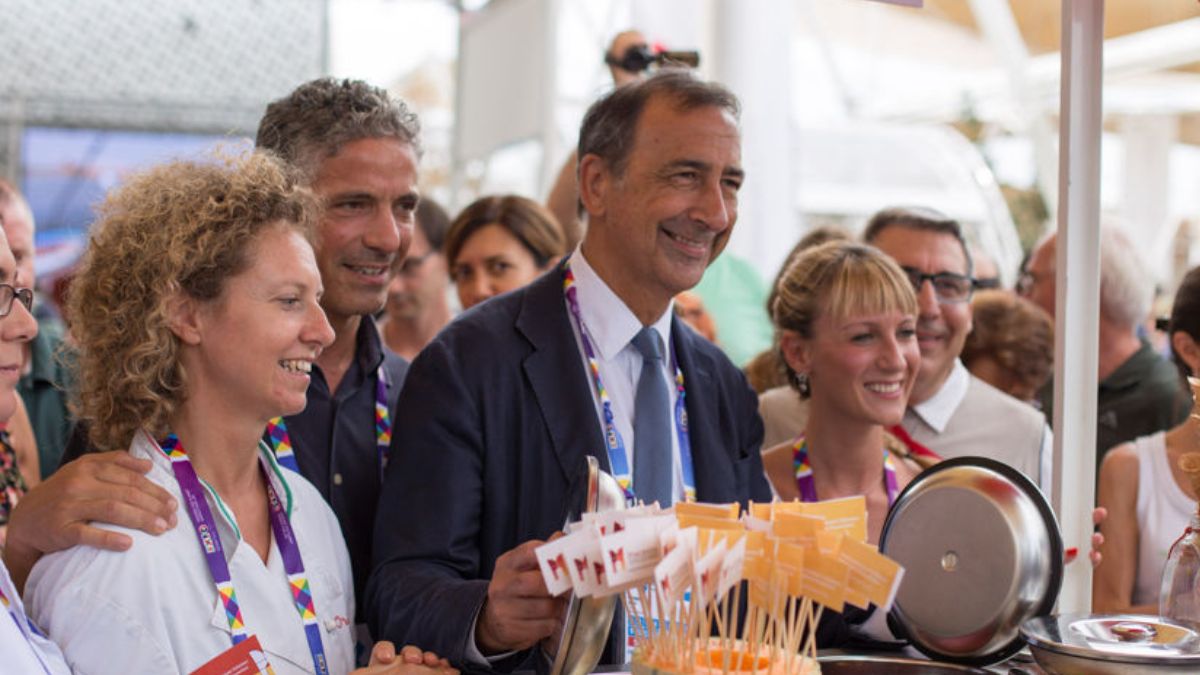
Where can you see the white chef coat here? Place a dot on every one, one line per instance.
(154, 608)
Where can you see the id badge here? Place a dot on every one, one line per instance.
(245, 658)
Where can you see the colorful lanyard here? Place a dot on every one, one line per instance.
(210, 542)
(618, 457)
(281, 441)
(808, 488)
(24, 627)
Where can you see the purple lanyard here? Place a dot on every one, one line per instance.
(618, 457)
(24, 627)
(808, 488)
(210, 542)
(281, 440)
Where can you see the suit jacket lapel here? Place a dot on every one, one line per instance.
(557, 376)
(563, 392)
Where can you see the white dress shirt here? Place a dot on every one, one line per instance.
(610, 327)
(939, 408)
(154, 608)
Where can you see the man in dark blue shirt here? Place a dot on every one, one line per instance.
(358, 148)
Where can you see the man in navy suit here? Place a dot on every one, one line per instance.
(499, 412)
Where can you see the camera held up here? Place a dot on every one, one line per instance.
(638, 58)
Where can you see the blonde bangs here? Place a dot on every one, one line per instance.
(865, 286)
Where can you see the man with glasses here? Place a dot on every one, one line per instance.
(418, 303)
(951, 411)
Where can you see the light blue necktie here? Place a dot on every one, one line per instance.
(652, 424)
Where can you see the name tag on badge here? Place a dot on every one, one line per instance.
(245, 658)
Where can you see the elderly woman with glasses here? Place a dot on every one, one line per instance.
(23, 649)
(12, 480)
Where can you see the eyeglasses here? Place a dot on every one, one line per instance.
(8, 293)
(948, 287)
(413, 263)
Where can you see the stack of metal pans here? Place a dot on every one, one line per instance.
(1124, 644)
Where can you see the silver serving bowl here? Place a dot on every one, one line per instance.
(888, 665)
(981, 552)
(585, 630)
(1114, 644)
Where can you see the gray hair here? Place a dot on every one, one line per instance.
(318, 117)
(608, 127)
(1126, 290)
(918, 218)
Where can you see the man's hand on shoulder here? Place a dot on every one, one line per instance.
(519, 611)
(107, 487)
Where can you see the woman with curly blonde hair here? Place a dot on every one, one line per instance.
(195, 312)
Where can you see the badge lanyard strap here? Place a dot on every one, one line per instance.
(24, 627)
(210, 542)
(808, 488)
(281, 440)
(618, 456)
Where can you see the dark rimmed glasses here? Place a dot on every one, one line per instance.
(948, 287)
(8, 293)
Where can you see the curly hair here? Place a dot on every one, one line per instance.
(318, 117)
(181, 227)
(839, 278)
(1016, 333)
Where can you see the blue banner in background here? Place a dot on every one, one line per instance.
(68, 171)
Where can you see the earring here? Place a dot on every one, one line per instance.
(802, 384)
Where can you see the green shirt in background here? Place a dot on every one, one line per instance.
(735, 295)
(1142, 396)
(44, 389)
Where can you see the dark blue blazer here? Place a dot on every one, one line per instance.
(494, 421)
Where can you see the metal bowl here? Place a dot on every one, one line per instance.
(981, 552)
(588, 621)
(888, 665)
(1114, 644)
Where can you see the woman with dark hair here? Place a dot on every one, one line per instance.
(500, 243)
(1148, 497)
